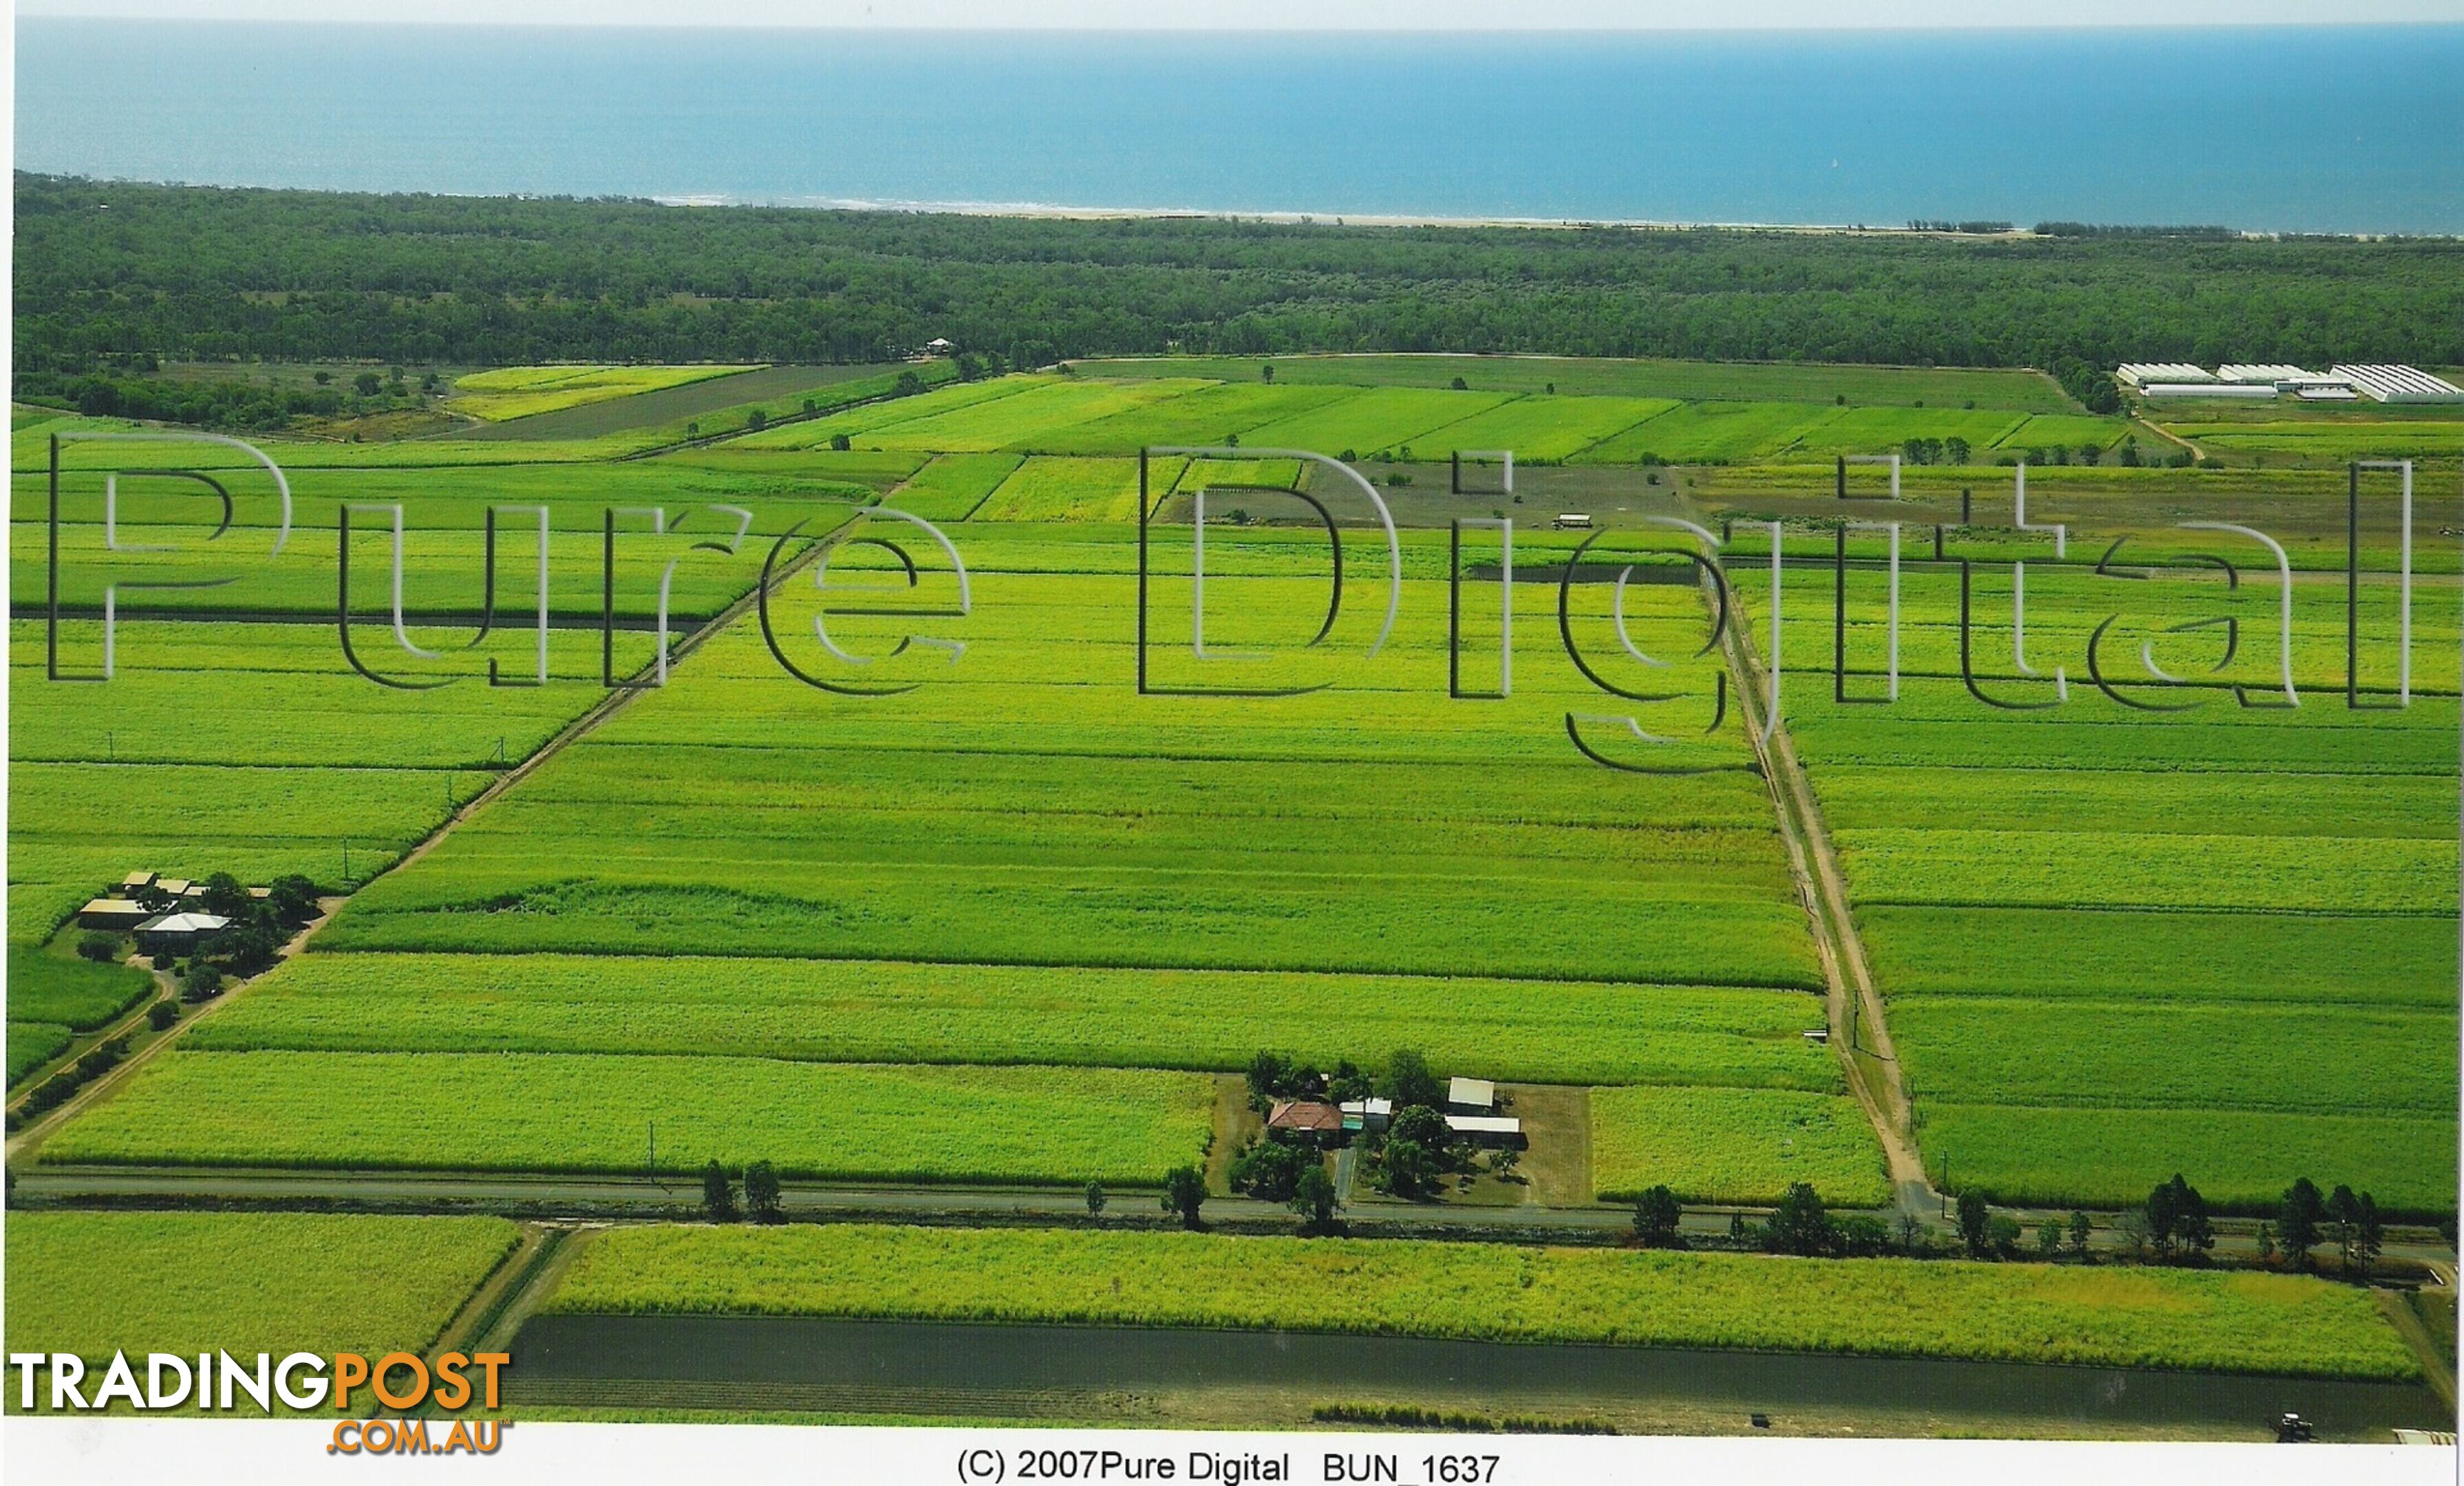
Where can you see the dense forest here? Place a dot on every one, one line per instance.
(110, 274)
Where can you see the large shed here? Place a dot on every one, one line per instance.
(119, 915)
(1471, 1096)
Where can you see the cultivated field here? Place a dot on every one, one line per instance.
(94, 1284)
(513, 392)
(1881, 1307)
(2120, 940)
(1025, 862)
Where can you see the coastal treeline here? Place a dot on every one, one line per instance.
(109, 273)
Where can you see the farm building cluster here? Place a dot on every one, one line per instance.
(1471, 1114)
(166, 915)
(2260, 382)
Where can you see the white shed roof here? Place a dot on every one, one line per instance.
(2142, 372)
(1471, 1091)
(2399, 384)
(184, 924)
(1484, 1124)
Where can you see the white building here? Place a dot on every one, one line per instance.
(2241, 390)
(1471, 1096)
(2399, 384)
(1486, 1129)
(1367, 1114)
(2140, 373)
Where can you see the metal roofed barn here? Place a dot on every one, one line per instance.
(2399, 384)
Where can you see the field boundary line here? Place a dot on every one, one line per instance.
(1852, 1004)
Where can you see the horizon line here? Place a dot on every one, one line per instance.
(930, 27)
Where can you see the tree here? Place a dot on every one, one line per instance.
(1409, 1081)
(1459, 386)
(1955, 449)
(1656, 1214)
(1313, 1199)
(2177, 1221)
(1268, 1170)
(2266, 1241)
(2002, 1235)
(163, 1016)
(2193, 1233)
(367, 384)
(2162, 1209)
(2081, 1228)
(292, 898)
(755, 421)
(1421, 1126)
(2131, 1223)
(2368, 1243)
(1184, 1191)
(908, 385)
(1972, 1220)
(1271, 1075)
(717, 1193)
(2049, 1238)
(1913, 1232)
(2298, 1221)
(1267, 373)
(762, 1193)
(202, 983)
(1799, 1224)
(840, 442)
(225, 897)
(97, 945)
(2345, 1222)
(1095, 1199)
(1409, 1170)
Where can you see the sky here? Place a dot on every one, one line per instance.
(1288, 15)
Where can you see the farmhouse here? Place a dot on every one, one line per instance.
(177, 934)
(1306, 1119)
(116, 914)
(174, 886)
(1572, 521)
(938, 346)
(135, 882)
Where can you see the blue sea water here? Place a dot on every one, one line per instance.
(2309, 129)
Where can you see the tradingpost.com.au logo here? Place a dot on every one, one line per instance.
(299, 1383)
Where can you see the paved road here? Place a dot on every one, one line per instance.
(596, 1196)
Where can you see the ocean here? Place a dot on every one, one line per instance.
(2285, 129)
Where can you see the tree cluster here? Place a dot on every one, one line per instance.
(763, 1198)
